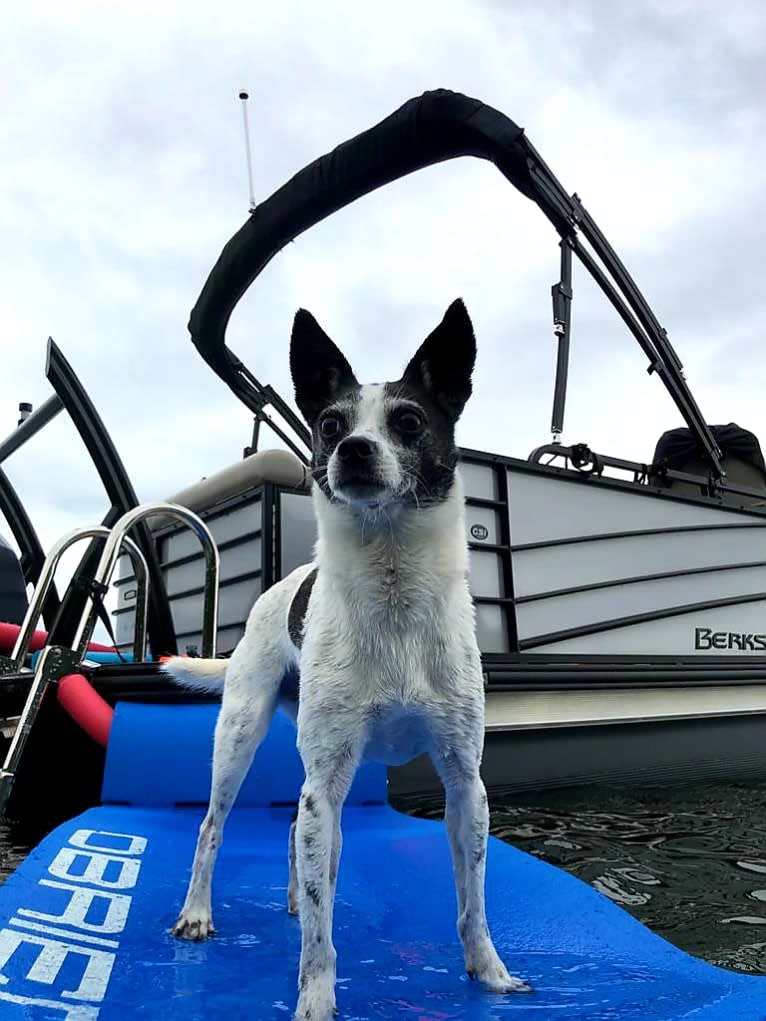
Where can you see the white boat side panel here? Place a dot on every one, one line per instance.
(482, 524)
(560, 612)
(511, 710)
(545, 508)
(491, 629)
(225, 527)
(479, 480)
(550, 568)
(485, 572)
(741, 631)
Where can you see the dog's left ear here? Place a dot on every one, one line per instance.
(319, 368)
(444, 361)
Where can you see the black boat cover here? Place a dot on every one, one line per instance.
(431, 128)
(434, 127)
(13, 592)
(677, 447)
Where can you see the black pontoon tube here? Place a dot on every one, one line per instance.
(432, 128)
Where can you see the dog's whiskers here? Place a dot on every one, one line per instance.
(413, 480)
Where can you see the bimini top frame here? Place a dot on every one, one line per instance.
(432, 128)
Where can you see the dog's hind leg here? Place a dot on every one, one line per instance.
(237, 736)
(245, 716)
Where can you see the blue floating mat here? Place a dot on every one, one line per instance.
(84, 921)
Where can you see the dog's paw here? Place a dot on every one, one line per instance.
(195, 928)
(317, 1000)
(484, 965)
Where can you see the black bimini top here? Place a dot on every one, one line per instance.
(429, 129)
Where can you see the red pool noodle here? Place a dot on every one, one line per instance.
(86, 707)
(10, 632)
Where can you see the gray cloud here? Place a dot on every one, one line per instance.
(123, 176)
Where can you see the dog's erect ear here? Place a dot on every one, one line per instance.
(444, 362)
(320, 371)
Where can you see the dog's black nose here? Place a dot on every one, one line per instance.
(356, 448)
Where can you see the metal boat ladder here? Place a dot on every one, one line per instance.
(55, 661)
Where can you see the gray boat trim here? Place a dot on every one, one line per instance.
(535, 710)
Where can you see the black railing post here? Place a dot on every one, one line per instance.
(123, 498)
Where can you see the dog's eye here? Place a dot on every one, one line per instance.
(409, 422)
(330, 426)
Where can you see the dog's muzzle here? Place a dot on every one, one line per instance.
(356, 474)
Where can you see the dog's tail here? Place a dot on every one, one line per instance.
(198, 674)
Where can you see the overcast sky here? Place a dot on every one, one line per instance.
(122, 175)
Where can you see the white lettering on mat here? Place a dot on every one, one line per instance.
(92, 871)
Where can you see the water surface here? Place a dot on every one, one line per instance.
(689, 863)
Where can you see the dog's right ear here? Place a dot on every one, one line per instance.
(444, 361)
(319, 369)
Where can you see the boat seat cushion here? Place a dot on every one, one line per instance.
(278, 466)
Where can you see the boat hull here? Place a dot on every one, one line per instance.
(717, 749)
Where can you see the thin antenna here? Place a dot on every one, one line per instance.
(244, 96)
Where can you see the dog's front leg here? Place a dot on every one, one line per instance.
(329, 772)
(292, 885)
(292, 882)
(467, 820)
(466, 816)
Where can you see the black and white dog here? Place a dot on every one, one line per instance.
(380, 629)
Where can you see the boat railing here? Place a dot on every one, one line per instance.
(45, 582)
(56, 661)
(587, 462)
(111, 553)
